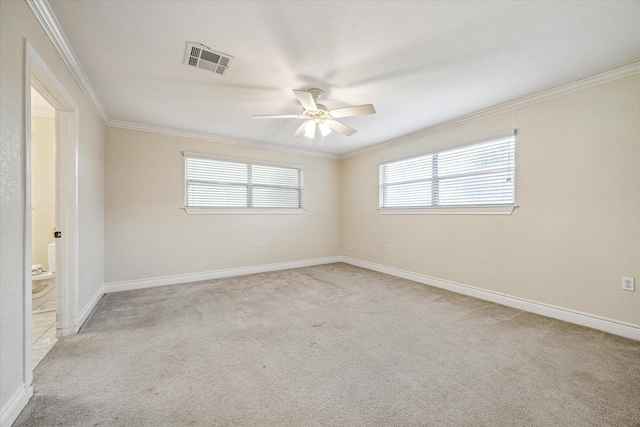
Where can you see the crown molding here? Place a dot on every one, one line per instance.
(51, 26)
(217, 138)
(598, 79)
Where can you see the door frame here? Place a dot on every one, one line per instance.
(38, 75)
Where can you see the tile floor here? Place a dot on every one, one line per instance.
(43, 335)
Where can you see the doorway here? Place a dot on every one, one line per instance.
(44, 327)
(64, 255)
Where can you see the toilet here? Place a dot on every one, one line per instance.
(43, 283)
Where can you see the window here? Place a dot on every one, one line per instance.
(222, 185)
(474, 178)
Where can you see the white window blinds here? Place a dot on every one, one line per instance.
(217, 183)
(475, 175)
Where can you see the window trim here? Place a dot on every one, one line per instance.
(451, 210)
(497, 209)
(212, 210)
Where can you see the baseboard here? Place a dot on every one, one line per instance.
(216, 274)
(611, 326)
(86, 311)
(15, 405)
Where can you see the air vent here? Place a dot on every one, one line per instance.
(200, 56)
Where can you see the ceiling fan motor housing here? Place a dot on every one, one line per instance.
(316, 93)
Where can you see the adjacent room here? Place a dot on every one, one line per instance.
(345, 213)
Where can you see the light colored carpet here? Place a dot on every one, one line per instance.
(331, 345)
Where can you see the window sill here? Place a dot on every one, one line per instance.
(242, 211)
(451, 210)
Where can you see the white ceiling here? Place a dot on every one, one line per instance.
(419, 63)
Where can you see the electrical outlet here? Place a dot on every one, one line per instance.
(389, 247)
(257, 246)
(628, 284)
(350, 247)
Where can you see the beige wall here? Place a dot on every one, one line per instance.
(149, 235)
(576, 232)
(43, 195)
(91, 194)
(17, 23)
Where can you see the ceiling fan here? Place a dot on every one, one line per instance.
(317, 115)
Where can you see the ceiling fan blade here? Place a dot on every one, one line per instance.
(340, 128)
(358, 110)
(280, 116)
(300, 130)
(306, 99)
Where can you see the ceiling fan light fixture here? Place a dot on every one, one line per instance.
(324, 129)
(310, 129)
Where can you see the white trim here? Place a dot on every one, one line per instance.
(67, 256)
(15, 405)
(91, 305)
(27, 345)
(450, 210)
(218, 138)
(51, 26)
(205, 210)
(595, 322)
(216, 274)
(586, 83)
(611, 326)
